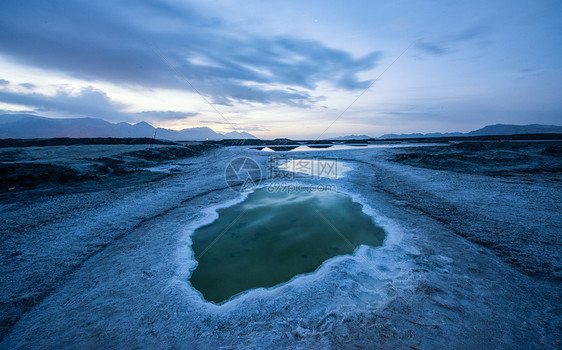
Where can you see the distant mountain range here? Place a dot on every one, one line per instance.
(28, 126)
(351, 137)
(497, 129)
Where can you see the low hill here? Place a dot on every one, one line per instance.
(497, 129)
(28, 126)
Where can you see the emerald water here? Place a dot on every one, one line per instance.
(271, 237)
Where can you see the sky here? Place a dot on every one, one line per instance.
(285, 68)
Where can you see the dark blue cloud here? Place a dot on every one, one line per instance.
(446, 44)
(4, 82)
(89, 102)
(113, 41)
(28, 86)
(471, 33)
(432, 48)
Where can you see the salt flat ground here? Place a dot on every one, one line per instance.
(470, 261)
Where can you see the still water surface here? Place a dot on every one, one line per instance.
(271, 237)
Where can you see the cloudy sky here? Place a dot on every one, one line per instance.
(285, 68)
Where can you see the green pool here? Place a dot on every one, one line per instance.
(271, 237)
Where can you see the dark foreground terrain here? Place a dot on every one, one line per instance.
(494, 158)
(28, 167)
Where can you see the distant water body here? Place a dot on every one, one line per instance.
(296, 148)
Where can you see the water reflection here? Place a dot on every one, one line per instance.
(271, 237)
(316, 167)
(309, 148)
